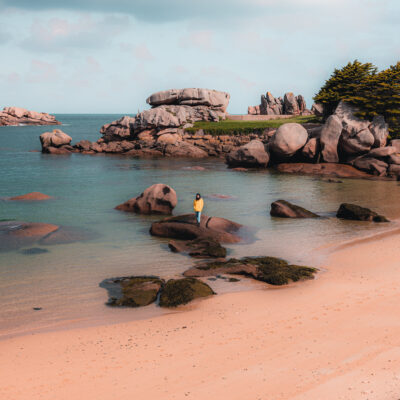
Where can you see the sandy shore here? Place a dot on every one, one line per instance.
(337, 337)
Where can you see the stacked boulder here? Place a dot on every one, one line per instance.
(56, 142)
(288, 105)
(14, 116)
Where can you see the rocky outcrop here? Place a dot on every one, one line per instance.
(357, 213)
(121, 129)
(182, 291)
(285, 209)
(184, 227)
(288, 139)
(32, 196)
(274, 271)
(13, 116)
(201, 248)
(330, 135)
(250, 155)
(317, 109)
(156, 199)
(56, 139)
(288, 105)
(311, 149)
(132, 291)
(191, 97)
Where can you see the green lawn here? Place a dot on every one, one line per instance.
(229, 127)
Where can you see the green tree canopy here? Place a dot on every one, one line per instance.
(372, 92)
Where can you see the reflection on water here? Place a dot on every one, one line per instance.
(64, 280)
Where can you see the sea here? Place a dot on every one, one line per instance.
(59, 288)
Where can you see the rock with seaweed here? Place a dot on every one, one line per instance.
(272, 270)
(132, 291)
(182, 291)
(201, 247)
(358, 213)
(285, 209)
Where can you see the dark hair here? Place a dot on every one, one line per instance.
(198, 194)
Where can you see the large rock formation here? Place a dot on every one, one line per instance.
(251, 155)
(329, 139)
(191, 97)
(12, 116)
(56, 142)
(156, 199)
(288, 105)
(288, 139)
(120, 129)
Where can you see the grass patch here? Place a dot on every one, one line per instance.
(230, 127)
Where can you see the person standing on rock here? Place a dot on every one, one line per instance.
(198, 205)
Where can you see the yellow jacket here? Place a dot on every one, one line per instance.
(198, 205)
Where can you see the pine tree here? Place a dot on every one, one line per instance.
(348, 83)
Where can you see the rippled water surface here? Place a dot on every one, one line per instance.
(64, 281)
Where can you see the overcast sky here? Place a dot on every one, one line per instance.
(107, 56)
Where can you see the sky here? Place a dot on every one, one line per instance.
(102, 56)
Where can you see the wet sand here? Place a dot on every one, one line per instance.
(336, 337)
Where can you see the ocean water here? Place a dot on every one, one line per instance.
(86, 188)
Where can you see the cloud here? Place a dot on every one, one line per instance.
(152, 10)
(140, 51)
(204, 40)
(59, 34)
(41, 72)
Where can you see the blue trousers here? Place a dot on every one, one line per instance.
(198, 216)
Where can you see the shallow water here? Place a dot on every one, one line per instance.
(64, 281)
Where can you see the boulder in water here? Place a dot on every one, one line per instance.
(357, 213)
(185, 227)
(156, 199)
(284, 209)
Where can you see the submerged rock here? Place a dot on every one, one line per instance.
(185, 227)
(284, 209)
(132, 291)
(272, 270)
(156, 199)
(32, 196)
(182, 291)
(17, 234)
(34, 250)
(202, 247)
(323, 169)
(357, 213)
(66, 235)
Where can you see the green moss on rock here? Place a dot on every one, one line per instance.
(181, 291)
(134, 291)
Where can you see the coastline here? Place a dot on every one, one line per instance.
(333, 337)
